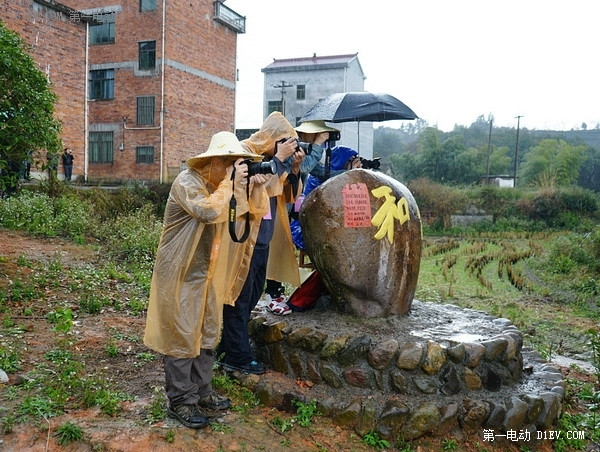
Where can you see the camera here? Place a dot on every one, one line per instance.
(334, 136)
(370, 164)
(306, 147)
(260, 167)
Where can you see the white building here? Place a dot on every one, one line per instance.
(294, 85)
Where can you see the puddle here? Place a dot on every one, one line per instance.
(567, 362)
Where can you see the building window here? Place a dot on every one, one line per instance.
(101, 147)
(274, 105)
(147, 55)
(145, 111)
(147, 5)
(301, 92)
(144, 154)
(102, 84)
(104, 32)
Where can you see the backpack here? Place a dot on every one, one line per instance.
(305, 297)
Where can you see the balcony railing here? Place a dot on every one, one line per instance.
(229, 17)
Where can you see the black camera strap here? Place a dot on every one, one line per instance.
(233, 215)
(327, 161)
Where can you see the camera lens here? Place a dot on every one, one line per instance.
(261, 167)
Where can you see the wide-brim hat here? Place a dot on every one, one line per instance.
(314, 127)
(222, 144)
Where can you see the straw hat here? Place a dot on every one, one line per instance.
(222, 144)
(314, 127)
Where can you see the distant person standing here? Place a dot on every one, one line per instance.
(67, 159)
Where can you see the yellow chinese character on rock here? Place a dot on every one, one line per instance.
(388, 212)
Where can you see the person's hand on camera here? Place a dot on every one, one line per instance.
(353, 163)
(356, 163)
(241, 172)
(321, 138)
(259, 179)
(286, 149)
(297, 160)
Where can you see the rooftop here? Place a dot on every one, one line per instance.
(308, 62)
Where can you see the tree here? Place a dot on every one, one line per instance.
(500, 160)
(431, 155)
(404, 167)
(589, 175)
(552, 162)
(27, 124)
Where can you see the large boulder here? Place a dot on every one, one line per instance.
(362, 231)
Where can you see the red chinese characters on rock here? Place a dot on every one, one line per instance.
(357, 206)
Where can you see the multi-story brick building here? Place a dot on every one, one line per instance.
(58, 48)
(293, 85)
(158, 81)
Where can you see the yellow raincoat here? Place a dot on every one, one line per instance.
(282, 264)
(198, 267)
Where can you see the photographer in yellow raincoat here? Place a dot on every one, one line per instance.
(274, 254)
(199, 268)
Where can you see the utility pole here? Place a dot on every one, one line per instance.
(516, 151)
(282, 86)
(487, 178)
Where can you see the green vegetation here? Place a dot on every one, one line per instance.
(372, 439)
(535, 262)
(26, 111)
(68, 433)
(305, 413)
(465, 155)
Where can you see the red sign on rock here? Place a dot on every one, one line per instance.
(357, 206)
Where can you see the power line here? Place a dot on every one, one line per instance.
(282, 86)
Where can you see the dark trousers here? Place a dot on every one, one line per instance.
(274, 288)
(235, 340)
(68, 171)
(187, 380)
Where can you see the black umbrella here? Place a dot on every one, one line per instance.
(358, 106)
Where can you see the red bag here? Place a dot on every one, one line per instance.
(305, 297)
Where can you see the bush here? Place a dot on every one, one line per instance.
(133, 237)
(497, 201)
(436, 200)
(577, 200)
(37, 213)
(572, 250)
(565, 208)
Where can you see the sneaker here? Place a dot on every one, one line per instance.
(253, 367)
(188, 415)
(214, 402)
(279, 306)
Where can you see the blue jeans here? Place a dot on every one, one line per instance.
(235, 340)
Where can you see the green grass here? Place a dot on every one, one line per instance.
(533, 300)
(543, 282)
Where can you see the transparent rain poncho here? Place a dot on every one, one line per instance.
(198, 267)
(282, 264)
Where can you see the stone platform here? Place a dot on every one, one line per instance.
(436, 369)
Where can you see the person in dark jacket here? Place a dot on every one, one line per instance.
(67, 159)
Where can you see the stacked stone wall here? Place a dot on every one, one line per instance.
(401, 385)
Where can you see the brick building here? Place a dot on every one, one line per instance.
(158, 81)
(58, 48)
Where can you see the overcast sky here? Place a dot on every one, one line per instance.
(449, 61)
